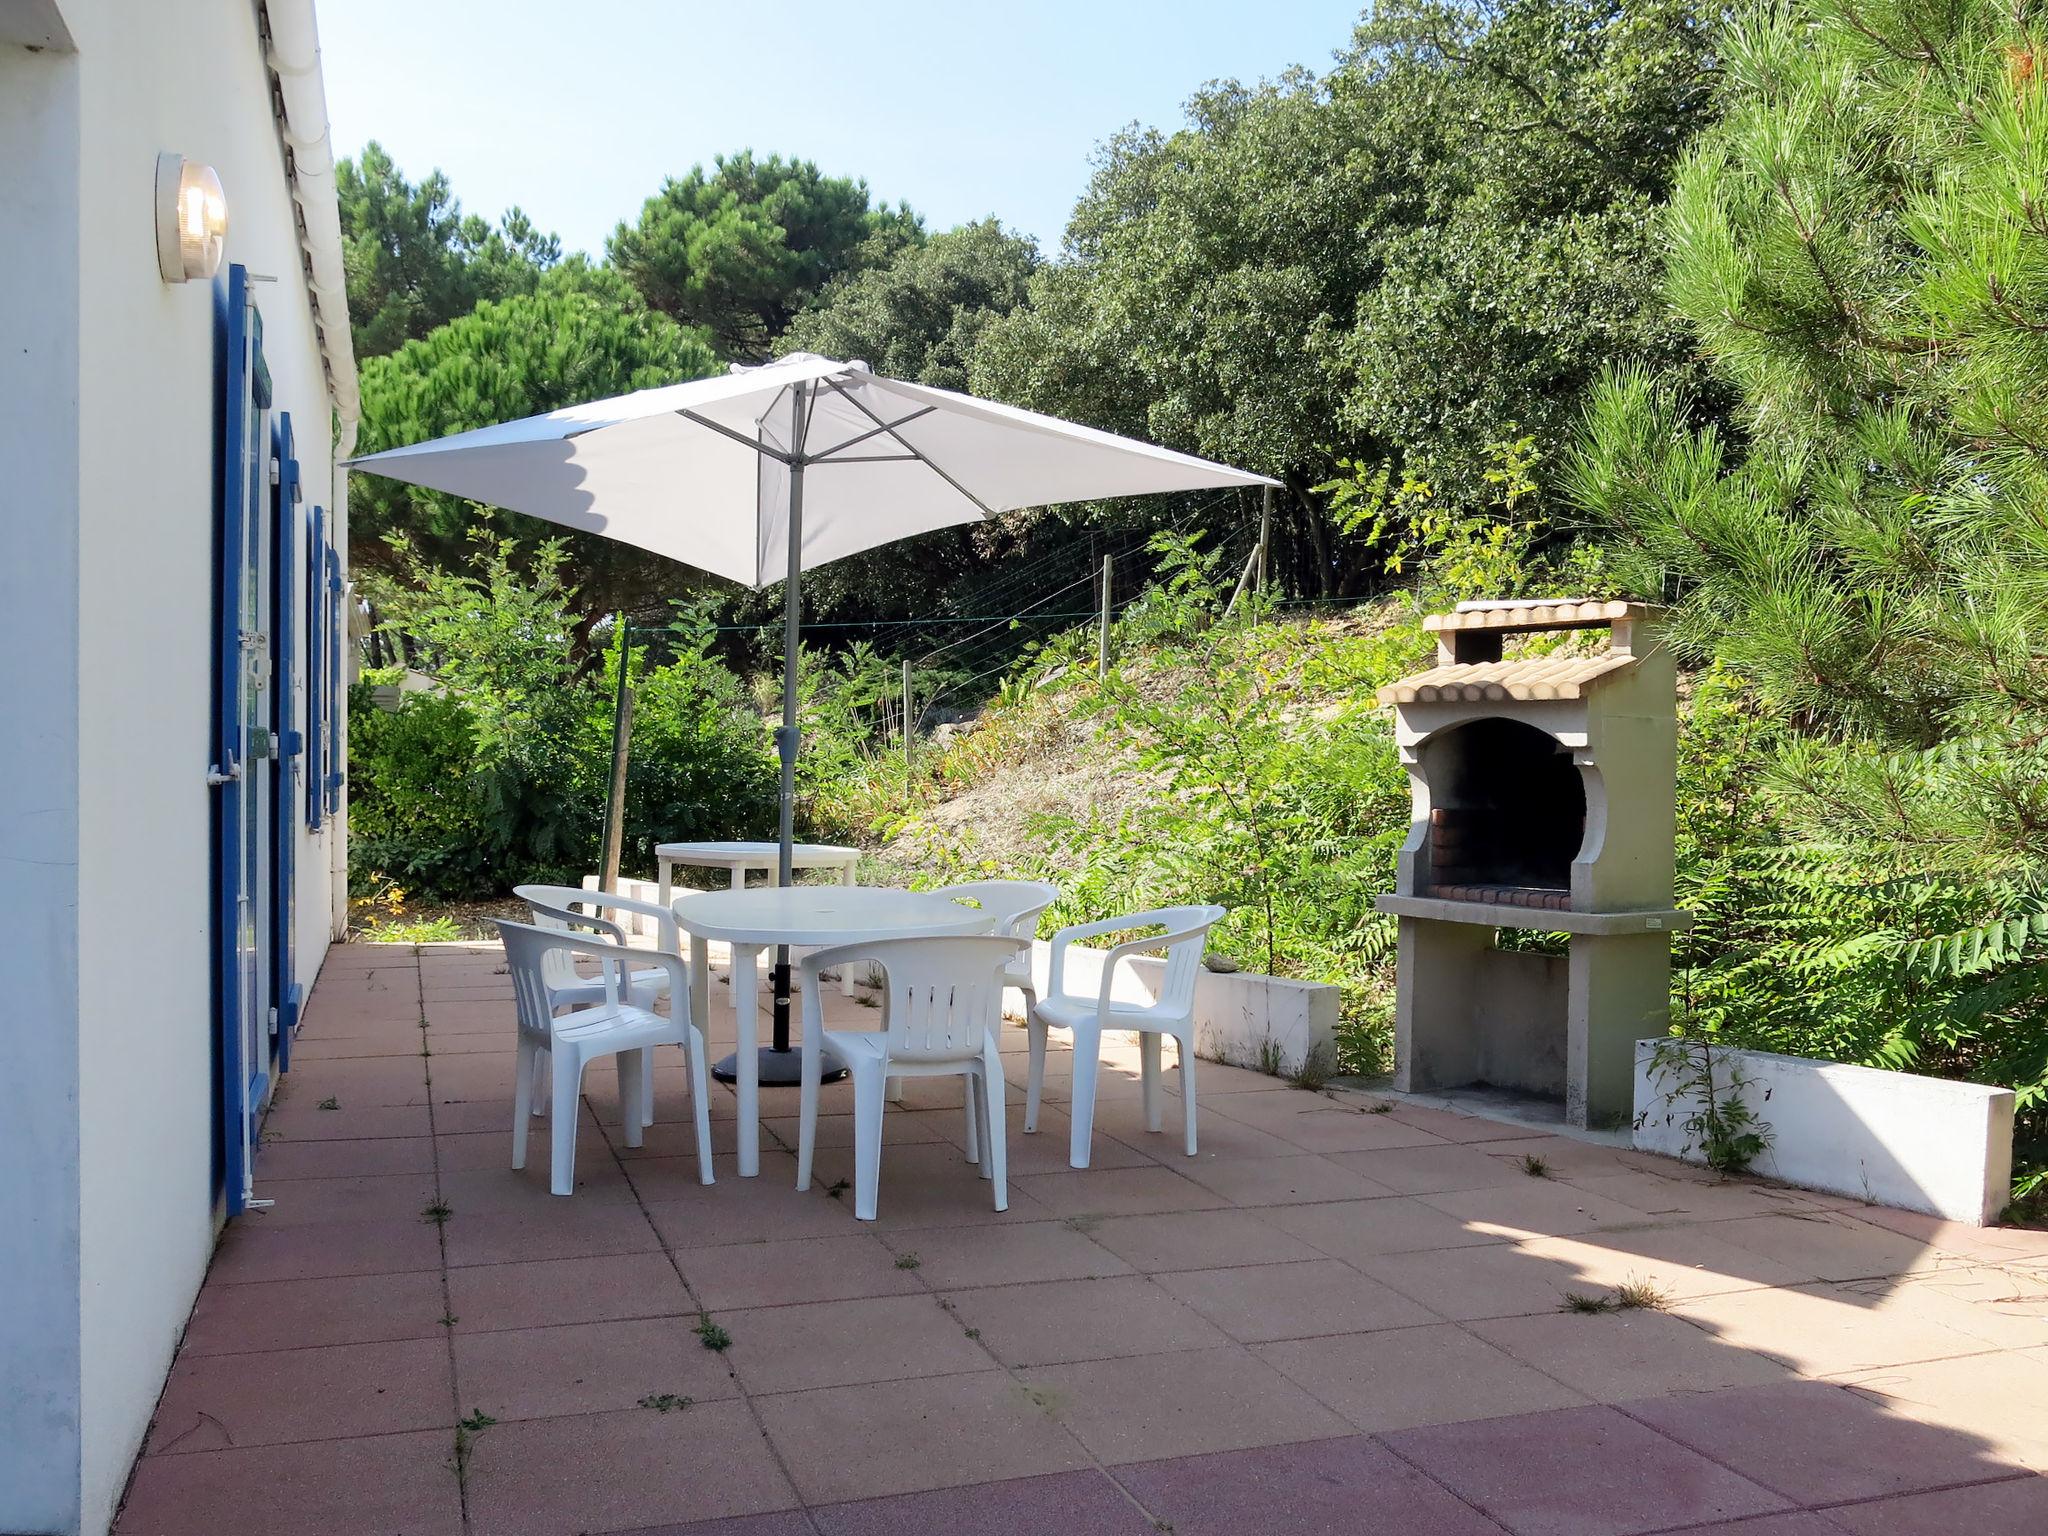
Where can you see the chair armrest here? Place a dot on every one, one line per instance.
(590, 920)
(665, 931)
(1055, 982)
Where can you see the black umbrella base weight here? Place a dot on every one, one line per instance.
(779, 1069)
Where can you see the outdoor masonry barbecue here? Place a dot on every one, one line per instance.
(1543, 790)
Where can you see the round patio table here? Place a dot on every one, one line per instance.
(816, 917)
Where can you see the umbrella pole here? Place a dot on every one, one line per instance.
(787, 737)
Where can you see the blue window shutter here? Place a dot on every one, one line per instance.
(318, 638)
(288, 761)
(232, 379)
(337, 700)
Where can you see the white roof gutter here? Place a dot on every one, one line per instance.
(294, 56)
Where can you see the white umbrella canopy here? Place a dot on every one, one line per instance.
(702, 472)
(719, 473)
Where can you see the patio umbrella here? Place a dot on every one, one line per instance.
(764, 472)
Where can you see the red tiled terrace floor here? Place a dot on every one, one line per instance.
(1342, 1317)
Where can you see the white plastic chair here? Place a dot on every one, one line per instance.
(1185, 932)
(1016, 906)
(942, 1005)
(612, 1026)
(570, 909)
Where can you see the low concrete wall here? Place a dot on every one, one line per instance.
(1893, 1138)
(1237, 1013)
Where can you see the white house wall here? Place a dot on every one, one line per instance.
(39, 876)
(111, 698)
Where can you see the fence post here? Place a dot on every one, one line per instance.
(1265, 535)
(907, 727)
(622, 734)
(1102, 638)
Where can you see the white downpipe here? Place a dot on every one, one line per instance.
(295, 56)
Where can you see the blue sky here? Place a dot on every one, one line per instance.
(577, 111)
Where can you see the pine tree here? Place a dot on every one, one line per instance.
(1861, 247)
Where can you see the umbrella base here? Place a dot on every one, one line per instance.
(779, 1069)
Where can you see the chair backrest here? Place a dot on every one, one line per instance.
(565, 909)
(1186, 935)
(1016, 904)
(528, 949)
(941, 996)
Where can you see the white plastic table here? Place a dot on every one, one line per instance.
(740, 859)
(813, 916)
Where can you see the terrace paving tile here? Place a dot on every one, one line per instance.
(374, 1083)
(605, 1472)
(1618, 1356)
(1565, 1157)
(372, 1486)
(472, 1191)
(1464, 1284)
(540, 1292)
(939, 1432)
(1062, 1320)
(1317, 1124)
(1682, 1261)
(1318, 1488)
(1262, 1181)
(1355, 1230)
(298, 1314)
(1543, 1208)
(1580, 1472)
(805, 1269)
(346, 1159)
(1669, 1198)
(1999, 1403)
(952, 1258)
(842, 1343)
(2016, 1507)
(275, 1397)
(1149, 1407)
(1430, 1169)
(367, 1197)
(318, 1250)
(463, 1151)
(1828, 1246)
(1816, 1443)
(1401, 1377)
(1073, 1503)
(1452, 1125)
(1260, 1303)
(1824, 1330)
(1197, 1240)
(1106, 1192)
(561, 1229)
(351, 1119)
(535, 1373)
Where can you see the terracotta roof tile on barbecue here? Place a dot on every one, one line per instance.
(1478, 682)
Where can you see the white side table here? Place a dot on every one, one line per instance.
(741, 859)
(814, 916)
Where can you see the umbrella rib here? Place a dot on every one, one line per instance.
(751, 443)
(851, 442)
(912, 448)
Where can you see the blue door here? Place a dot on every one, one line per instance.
(243, 717)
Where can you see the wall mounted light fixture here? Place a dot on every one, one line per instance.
(191, 219)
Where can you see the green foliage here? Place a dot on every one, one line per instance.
(1450, 230)
(739, 250)
(505, 359)
(1710, 1097)
(501, 776)
(1858, 245)
(415, 261)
